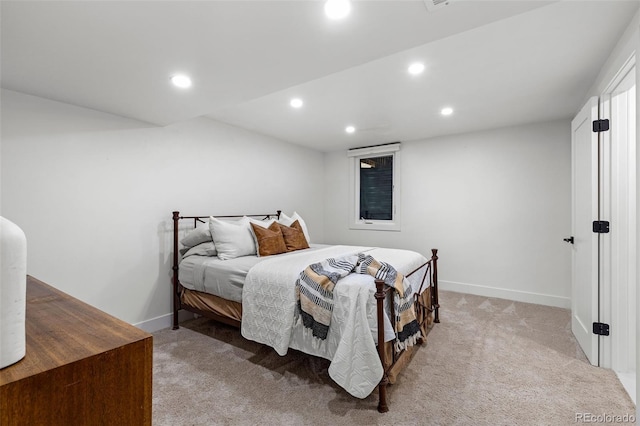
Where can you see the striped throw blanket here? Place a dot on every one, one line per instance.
(406, 325)
(314, 291)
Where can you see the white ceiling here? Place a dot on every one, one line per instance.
(496, 63)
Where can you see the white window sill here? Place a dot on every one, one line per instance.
(375, 226)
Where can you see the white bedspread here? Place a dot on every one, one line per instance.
(269, 303)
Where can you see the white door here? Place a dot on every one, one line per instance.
(584, 210)
(619, 253)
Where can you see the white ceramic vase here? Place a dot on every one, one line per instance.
(13, 289)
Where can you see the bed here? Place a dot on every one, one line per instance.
(236, 270)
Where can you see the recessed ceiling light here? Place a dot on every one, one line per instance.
(416, 68)
(296, 102)
(350, 129)
(446, 111)
(181, 80)
(337, 9)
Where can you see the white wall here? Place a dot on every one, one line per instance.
(621, 52)
(496, 204)
(94, 194)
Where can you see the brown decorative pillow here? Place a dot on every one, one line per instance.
(294, 236)
(269, 240)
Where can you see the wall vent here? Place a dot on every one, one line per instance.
(436, 4)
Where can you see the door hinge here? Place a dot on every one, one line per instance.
(600, 125)
(600, 226)
(601, 329)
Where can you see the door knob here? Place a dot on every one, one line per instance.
(569, 240)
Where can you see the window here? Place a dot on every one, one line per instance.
(374, 188)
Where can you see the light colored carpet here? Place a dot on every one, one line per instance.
(489, 362)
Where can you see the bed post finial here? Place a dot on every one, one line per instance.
(278, 211)
(436, 303)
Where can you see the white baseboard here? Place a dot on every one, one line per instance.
(502, 293)
(163, 321)
(628, 381)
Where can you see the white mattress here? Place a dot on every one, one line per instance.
(222, 278)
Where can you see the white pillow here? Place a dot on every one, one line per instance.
(202, 249)
(232, 239)
(264, 223)
(287, 221)
(199, 235)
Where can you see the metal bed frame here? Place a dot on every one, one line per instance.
(422, 311)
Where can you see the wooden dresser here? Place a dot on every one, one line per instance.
(82, 366)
